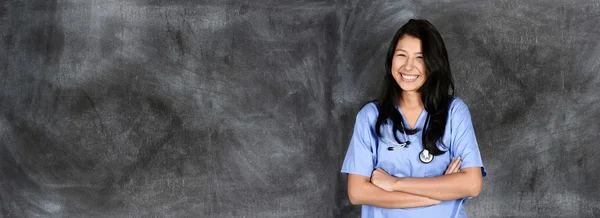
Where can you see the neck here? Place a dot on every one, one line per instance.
(411, 100)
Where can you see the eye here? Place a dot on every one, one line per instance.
(401, 55)
(420, 57)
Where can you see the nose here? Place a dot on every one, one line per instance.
(408, 66)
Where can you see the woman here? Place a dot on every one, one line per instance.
(413, 152)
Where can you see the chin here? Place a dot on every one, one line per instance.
(410, 87)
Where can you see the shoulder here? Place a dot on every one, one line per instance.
(368, 113)
(458, 108)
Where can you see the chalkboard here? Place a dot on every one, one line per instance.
(245, 109)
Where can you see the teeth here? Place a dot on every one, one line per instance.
(409, 77)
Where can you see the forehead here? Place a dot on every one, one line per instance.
(409, 44)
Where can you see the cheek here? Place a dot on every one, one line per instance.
(423, 70)
(421, 67)
(396, 63)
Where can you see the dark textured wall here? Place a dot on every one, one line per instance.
(230, 109)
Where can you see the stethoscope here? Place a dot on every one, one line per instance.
(424, 155)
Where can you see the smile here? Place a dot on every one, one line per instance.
(409, 78)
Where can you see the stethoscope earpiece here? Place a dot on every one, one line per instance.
(401, 145)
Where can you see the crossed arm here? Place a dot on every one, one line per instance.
(384, 190)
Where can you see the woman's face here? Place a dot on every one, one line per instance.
(408, 68)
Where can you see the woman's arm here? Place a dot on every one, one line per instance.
(463, 144)
(362, 191)
(466, 183)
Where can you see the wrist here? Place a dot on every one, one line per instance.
(397, 186)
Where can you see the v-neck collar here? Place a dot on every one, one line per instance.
(420, 120)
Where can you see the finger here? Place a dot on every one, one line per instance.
(376, 173)
(382, 171)
(457, 167)
(450, 166)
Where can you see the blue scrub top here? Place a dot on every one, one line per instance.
(367, 152)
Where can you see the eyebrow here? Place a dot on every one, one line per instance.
(407, 52)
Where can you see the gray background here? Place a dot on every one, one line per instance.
(229, 109)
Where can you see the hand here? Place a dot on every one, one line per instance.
(454, 166)
(383, 180)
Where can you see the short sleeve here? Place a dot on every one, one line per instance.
(360, 157)
(464, 143)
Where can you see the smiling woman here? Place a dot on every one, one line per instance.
(435, 166)
(407, 65)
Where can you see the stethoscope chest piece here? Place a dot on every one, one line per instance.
(425, 156)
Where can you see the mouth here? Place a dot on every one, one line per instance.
(409, 78)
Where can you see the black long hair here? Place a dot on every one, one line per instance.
(436, 93)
